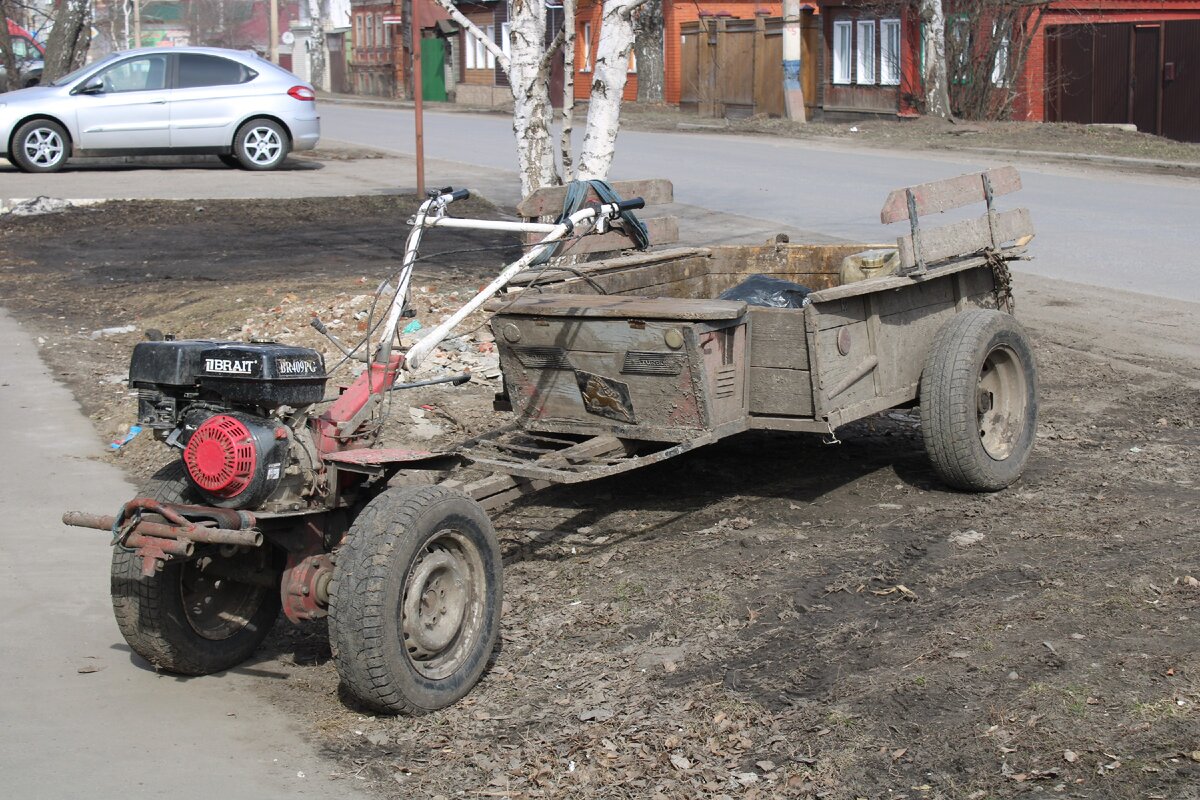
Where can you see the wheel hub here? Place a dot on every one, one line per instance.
(435, 604)
(1001, 402)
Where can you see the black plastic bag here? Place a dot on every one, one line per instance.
(765, 290)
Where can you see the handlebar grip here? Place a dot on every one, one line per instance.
(460, 194)
(631, 204)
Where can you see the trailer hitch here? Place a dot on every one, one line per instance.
(185, 526)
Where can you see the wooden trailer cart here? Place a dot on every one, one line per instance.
(282, 496)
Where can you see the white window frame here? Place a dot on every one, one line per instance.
(469, 50)
(843, 50)
(889, 62)
(490, 30)
(1000, 77)
(505, 36)
(587, 48)
(864, 52)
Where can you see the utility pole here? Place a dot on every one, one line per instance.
(273, 31)
(793, 88)
(415, 29)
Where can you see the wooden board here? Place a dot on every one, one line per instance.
(781, 392)
(612, 306)
(549, 199)
(937, 196)
(662, 230)
(647, 262)
(777, 338)
(965, 238)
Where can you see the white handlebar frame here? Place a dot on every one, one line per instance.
(431, 214)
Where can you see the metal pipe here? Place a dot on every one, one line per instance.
(171, 547)
(196, 533)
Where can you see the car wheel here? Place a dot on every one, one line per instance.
(40, 145)
(32, 82)
(260, 144)
(230, 160)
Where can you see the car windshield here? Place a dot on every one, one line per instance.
(77, 74)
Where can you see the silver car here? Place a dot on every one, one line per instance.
(163, 101)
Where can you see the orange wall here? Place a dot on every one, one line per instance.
(674, 16)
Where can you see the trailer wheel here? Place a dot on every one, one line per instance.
(414, 608)
(979, 401)
(184, 619)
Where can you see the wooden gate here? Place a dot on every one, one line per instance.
(1140, 73)
(732, 67)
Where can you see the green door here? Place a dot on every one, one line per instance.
(433, 70)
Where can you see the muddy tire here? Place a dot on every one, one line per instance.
(979, 401)
(415, 601)
(183, 619)
(40, 145)
(260, 144)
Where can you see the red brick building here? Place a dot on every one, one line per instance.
(1110, 61)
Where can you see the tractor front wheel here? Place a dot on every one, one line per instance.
(193, 617)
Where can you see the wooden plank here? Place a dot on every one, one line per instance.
(951, 193)
(965, 238)
(622, 307)
(595, 269)
(886, 284)
(549, 199)
(777, 338)
(781, 392)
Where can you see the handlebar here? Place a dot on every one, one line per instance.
(460, 194)
(632, 204)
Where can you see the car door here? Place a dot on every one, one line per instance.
(210, 98)
(124, 106)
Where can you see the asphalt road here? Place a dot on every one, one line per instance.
(1095, 225)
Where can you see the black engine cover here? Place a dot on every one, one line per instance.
(266, 375)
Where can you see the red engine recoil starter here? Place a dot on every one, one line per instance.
(221, 456)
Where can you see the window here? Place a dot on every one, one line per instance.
(842, 34)
(379, 30)
(469, 50)
(866, 51)
(505, 34)
(1000, 45)
(587, 47)
(200, 70)
(23, 48)
(137, 75)
(889, 52)
(958, 49)
(490, 30)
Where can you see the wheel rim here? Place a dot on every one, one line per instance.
(441, 607)
(215, 606)
(43, 147)
(1001, 402)
(262, 145)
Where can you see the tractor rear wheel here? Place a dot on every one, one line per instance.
(189, 618)
(414, 607)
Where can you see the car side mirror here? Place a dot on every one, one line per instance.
(93, 86)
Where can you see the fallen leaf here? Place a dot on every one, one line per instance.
(597, 715)
(680, 762)
(1070, 756)
(898, 754)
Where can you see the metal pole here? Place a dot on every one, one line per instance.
(415, 29)
(273, 30)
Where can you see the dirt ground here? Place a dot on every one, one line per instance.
(770, 616)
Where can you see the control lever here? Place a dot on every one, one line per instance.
(346, 351)
(457, 380)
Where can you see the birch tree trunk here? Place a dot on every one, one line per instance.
(608, 85)
(648, 49)
(934, 74)
(316, 42)
(528, 77)
(568, 105)
(67, 46)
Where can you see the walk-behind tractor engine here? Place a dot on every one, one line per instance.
(236, 410)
